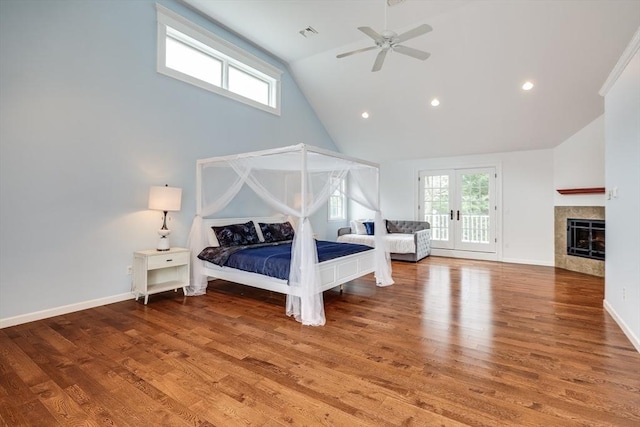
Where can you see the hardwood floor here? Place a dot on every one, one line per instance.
(453, 342)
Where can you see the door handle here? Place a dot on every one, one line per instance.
(451, 214)
(458, 215)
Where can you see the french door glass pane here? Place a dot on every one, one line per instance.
(436, 205)
(191, 61)
(248, 86)
(475, 208)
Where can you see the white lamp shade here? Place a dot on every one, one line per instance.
(165, 198)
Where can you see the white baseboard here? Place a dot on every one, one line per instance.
(451, 253)
(627, 331)
(57, 311)
(529, 262)
(485, 256)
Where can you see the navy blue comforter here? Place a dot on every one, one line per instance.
(274, 260)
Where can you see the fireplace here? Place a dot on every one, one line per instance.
(562, 257)
(586, 238)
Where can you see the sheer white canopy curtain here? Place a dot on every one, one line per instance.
(295, 181)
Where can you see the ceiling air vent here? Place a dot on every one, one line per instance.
(308, 32)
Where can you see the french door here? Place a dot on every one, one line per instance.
(460, 205)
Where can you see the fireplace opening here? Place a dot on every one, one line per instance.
(585, 238)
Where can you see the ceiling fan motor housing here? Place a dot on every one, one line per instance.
(388, 34)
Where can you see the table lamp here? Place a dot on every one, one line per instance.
(164, 199)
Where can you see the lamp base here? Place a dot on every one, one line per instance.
(163, 243)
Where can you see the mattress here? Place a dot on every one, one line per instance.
(398, 243)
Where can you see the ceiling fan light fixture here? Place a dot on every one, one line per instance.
(527, 85)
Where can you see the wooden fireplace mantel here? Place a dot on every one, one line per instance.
(591, 190)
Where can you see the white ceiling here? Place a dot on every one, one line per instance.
(481, 53)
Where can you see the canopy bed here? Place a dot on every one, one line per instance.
(295, 181)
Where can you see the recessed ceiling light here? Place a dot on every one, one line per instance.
(365, 115)
(527, 85)
(435, 102)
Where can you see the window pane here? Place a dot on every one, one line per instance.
(201, 58)
(337, 200)
(248, 86)
(436, 205)
(190, 61)
(475, 208)
(335, 208)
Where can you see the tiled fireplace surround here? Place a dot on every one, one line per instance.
(569, 262)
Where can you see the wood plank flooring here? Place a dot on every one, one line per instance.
(453, 342)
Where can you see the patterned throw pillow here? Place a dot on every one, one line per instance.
(237, 234)
(277, 232)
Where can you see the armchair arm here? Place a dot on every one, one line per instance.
(422, 240)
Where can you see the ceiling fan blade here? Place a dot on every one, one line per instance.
(379, 60)
(353, 52)
(415, 53)
(371, 33)
(418, 31)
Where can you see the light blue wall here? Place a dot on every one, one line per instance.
(87, 125)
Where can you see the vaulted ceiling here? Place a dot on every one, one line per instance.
(481, 53)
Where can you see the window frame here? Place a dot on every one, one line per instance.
(170, 24)
(343, 197)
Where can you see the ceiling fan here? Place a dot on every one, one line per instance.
(390, 40)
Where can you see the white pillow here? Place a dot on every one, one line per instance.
(357, 227)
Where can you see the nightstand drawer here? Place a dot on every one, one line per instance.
(167, 260)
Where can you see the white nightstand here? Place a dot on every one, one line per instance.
(158, 271)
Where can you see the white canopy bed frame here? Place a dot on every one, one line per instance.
(296, 181)
(333, 273)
